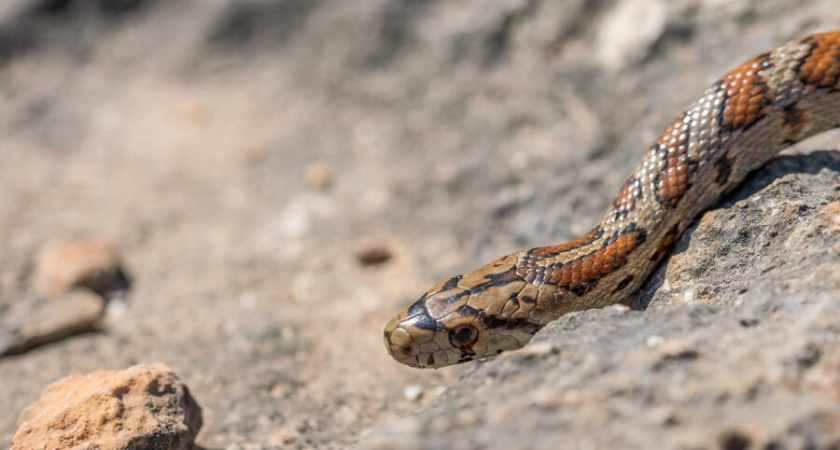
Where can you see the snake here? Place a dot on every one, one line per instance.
(736, 125)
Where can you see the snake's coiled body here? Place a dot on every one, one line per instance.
(737, 124)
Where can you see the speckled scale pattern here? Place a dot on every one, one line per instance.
(737, 124)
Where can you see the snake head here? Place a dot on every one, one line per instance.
(462, 319)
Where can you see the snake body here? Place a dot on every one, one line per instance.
(736, 125)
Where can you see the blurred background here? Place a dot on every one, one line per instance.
(281, 176)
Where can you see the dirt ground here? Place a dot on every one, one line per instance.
(282, 176)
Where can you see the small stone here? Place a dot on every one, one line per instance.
(654, 340)
(678, 349)
(629, 31)
(619, 307)
(194, 113)
(372, 253)
(142, 407)
(254, 154)
(538, 348)
(31, 324)
(662, 415)
(318, 175)
(91, 263)
(413, 392)
(283, 436)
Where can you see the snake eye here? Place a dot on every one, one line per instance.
(463, 336)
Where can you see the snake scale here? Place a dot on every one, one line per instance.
(737, 124)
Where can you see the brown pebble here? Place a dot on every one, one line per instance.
(373, 254)
(91, 263)
(142, 407)
(194, 113)
(254, 154)
(318, 175)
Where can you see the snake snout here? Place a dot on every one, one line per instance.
(400, 343)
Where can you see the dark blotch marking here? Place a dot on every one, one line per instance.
(466, 355)
(527, 299)
(420, 316)
(658, 255)
(495, 322)
(468, 311)
(431, 360)
(418, 307)
(623, 283)
(793, 121)
(451, 283)
(425, 322)
(723, 167)
(667, 241)
(671, 236)
(452, 298)
(497, 280)
(582, 288)
(641, 235)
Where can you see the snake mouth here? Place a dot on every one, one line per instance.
(402, 354)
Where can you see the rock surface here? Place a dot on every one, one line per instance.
(144, 407)
(242, 155)
(776, 235)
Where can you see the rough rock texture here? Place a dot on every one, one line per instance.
(144, 407)
(284, 175)
(739, 347)
(776, 235)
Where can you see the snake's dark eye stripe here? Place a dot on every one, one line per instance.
(463, 336)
